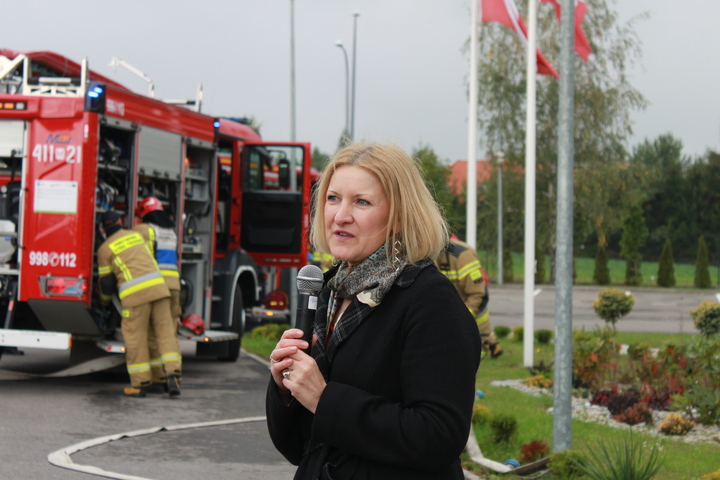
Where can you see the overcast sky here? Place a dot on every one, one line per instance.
(411, 71)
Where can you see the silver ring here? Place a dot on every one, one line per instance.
(286, 374)
(272, 359)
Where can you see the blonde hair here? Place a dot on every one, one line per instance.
(415, 218)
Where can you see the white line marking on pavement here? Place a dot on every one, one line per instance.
(61, 458)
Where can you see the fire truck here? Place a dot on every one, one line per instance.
(74, 144)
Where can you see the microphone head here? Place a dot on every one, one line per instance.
(309, 280)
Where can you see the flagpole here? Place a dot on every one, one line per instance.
(471, 188)
(529, 274)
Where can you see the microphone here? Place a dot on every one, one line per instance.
(309, 283)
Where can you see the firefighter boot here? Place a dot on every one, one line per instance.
(173, 385)
(495, 350)
(135, 391)
(157, 387)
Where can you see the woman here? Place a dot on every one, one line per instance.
(388, 390)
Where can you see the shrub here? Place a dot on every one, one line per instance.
(507, 266)
(539, 266)
(518, 334)
(666, 267)
(601, 274)
(272, 331)
(638, 413)
(622, 401)
(637, 351)
(533, 451)
(712, 476)
(563, 465)
(612, 304)
(544, 336)
(480, 415)
(707, 318)
(503, 426)
(541, 368)
(603, 397)
(675, 424)
(702, 272)
(539, 381)
(501, 331)
(624, 459)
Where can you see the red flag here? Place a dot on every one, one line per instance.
(582, 46)
(507, 13)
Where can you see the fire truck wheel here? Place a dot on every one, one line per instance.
(238, 326)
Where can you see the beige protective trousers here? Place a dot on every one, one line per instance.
(135, 326)
(156, 365)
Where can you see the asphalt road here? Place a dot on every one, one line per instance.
(655, 310)
(44, 415)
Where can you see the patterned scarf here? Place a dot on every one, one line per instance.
(370, 280)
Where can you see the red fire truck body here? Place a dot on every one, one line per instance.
(74, 144)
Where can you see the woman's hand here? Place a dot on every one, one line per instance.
(296, 372)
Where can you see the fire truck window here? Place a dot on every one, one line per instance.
(275, 168)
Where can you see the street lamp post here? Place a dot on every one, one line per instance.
(500, 158)
(346, 132)
(292, 70)
(352, 107)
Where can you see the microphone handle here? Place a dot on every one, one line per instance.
(307, 304)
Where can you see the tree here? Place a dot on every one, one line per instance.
(603, 102)
(601, 274)
(319, 159)
(634, 236)
(436, 174)
(666, 267)
(666, 208)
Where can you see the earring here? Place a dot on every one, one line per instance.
(397, 251)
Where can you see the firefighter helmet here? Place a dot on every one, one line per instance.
(194, 323)
(147, 205)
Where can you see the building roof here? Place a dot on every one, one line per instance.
(458, 174)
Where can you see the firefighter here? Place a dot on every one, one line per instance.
(459, 262)
(158, 230)
(323, 260)
(126, 266)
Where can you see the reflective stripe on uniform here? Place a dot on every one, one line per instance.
(467, 269)
(123, 268)
(104, 270)
(143, 281)
(156, 362)
(123, 243)
(138, 368)
(171, 357)
(126, 313)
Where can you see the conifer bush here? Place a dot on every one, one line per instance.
(666, 267)
(507, 266)
(539, 267)
(702, 271)
(601, 274)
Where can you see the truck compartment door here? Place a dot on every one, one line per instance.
(275, 202)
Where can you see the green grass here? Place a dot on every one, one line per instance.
(683, 461)
(584, 268)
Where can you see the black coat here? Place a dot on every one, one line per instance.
(400, 391)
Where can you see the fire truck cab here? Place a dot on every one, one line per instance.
(74, 144)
